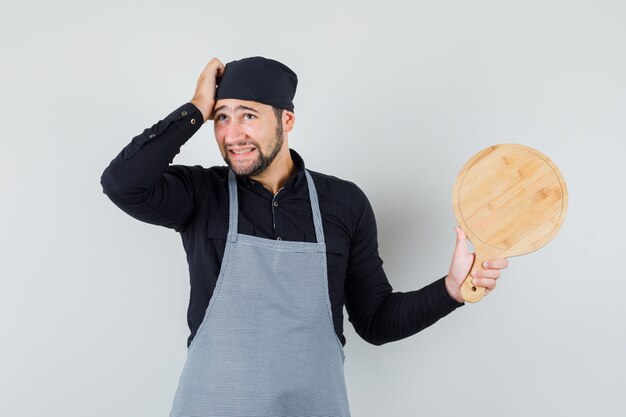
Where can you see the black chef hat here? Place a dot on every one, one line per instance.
(259, 79)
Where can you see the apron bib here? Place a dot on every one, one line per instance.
(266, 346)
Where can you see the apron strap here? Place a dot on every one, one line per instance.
(234, 207)
(315, 208)
(233, 215)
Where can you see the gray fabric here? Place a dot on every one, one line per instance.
(267, 346)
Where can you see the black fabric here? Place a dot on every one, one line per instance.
(193, 201)
(259, 79)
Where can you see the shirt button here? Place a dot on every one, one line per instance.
(275, 203)
(152, 135)
(184, 113)
(193, 121)
(279, 238)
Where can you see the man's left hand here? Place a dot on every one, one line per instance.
(462, 261)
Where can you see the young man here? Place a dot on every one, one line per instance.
(274, 252)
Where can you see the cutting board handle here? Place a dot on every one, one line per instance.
(470, 292)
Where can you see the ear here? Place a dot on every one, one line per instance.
(289, 119)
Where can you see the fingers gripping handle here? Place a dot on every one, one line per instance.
(473, 293)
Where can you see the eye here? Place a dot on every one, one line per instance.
(220, 117)
(249, 116)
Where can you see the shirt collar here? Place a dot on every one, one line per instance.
(293, 183)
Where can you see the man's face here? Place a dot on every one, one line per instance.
(248, 134)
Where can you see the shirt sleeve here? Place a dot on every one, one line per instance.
(140, 179)
(378, 314)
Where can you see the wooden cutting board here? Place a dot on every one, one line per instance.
(509, 200)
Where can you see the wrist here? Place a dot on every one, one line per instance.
(204, 106)
(454, 290)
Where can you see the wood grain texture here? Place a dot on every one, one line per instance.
(509, 200)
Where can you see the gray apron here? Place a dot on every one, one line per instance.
(266, 346)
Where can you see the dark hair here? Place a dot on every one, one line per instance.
(279, 120)
(279, 114)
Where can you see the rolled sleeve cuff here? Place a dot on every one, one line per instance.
(442, 294)
(188, 118)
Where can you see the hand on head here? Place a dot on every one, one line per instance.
(204, 96)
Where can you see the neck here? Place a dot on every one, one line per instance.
(279, 171)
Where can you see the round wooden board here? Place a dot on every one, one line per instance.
(509, 200)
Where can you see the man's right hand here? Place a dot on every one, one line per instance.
(204, 97)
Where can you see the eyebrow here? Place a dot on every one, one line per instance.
(238, 108)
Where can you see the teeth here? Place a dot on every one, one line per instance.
(242, 151)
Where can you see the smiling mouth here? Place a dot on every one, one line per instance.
(238, 152)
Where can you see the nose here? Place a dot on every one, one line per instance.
(234, 133)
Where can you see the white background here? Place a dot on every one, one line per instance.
(394, 96)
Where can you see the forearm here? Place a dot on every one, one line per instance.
(400, 315)
(378, 314)
(140, 179)
(136, 168)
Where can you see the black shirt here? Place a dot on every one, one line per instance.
(193, 201)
